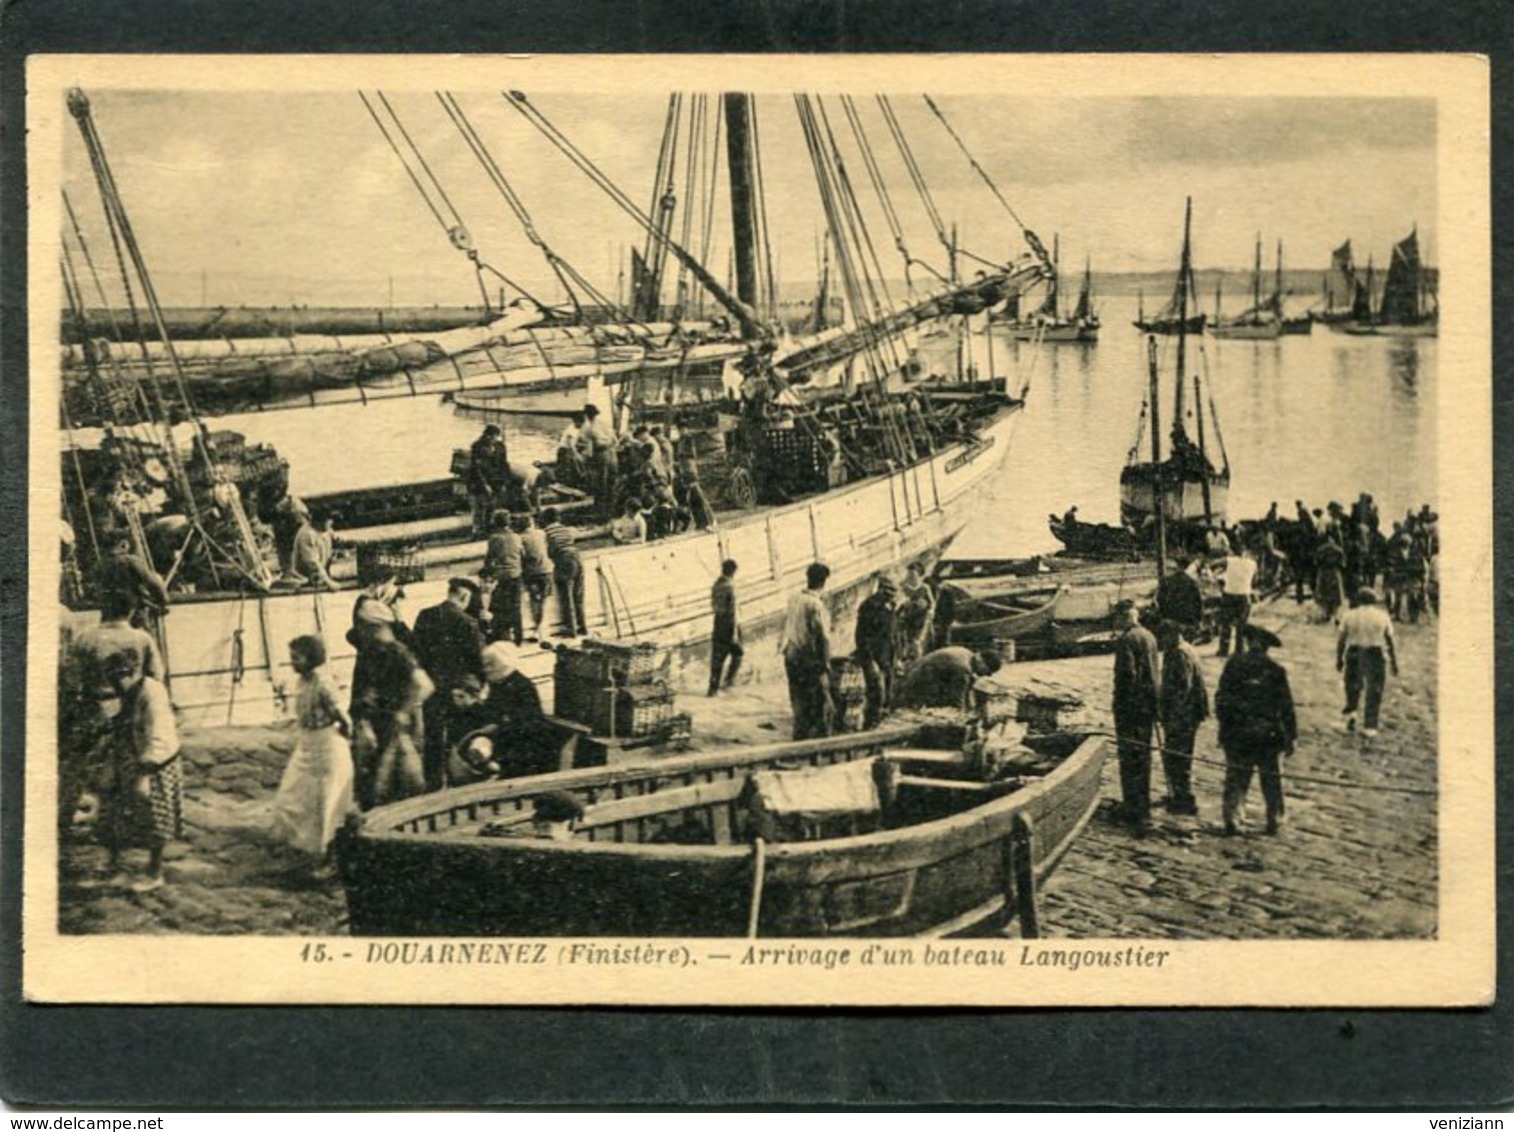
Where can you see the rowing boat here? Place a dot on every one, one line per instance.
(699, 845)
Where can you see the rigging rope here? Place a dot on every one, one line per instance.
(1030, 237)
(751, 327)
(912, 167)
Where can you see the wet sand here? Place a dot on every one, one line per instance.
(1356, 858)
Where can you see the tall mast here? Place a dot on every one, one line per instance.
(1198, 410)
(1184, 272)
(1277, 285)
(1256, 282)
(1158, 479)
(738, 135)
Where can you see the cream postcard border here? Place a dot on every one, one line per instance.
(1455, 969)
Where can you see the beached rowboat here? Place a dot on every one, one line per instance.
(673, 848)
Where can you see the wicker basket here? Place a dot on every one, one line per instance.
(643, 711)
(630, 664)
(381, 562)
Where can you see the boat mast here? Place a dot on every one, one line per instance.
(1184, 275)
(1198, 409)
(1277, 283)
(738, 136)
(1158, 480)
(1256, 283)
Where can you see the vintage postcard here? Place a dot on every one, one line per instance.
(973, 530)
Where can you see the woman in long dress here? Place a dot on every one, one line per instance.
(146, 808)
(315, 793)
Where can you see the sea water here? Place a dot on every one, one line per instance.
(1316, 418)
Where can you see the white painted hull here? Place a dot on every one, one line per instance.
(228, 656)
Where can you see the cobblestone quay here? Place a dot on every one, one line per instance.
(1356, 859)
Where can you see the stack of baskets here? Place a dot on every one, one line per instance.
(618, 690)
(848, 694)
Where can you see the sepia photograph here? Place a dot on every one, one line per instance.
(998, 530)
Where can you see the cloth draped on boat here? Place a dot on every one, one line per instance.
(802, 805)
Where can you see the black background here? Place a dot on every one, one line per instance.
(191, 1058)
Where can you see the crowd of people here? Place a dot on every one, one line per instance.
(1161, 699)
(645, 481)
(1329, 553)
(891, 647)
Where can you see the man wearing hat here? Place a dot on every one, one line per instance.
(504, 721)
(1135, 711)
(876, 618)
(488, 476)
(1179, 598)
(449, 646)
(1254, 706)
(1184, 703)
(1364, 642)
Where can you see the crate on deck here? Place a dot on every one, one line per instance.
(800, 460)
(381, 562)
(618, 690)
(462, 462)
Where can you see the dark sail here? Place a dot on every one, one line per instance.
(1401, 292)
(1340, 283)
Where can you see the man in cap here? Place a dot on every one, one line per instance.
(944, 677)
(1363, 650)
(449, 646)
(488, 475)
(603, 455)
(725, 635)
(1135, 711)
(1254, 706)
(555, 814)
(1184, 705)
(505, 722)
(876, 629)
(807, 656)
(1179, 599)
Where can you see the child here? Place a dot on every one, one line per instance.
(315, 793)
(147, 802)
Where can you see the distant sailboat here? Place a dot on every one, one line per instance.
(1046, 323)
(1262, 320)
(1168, 320)
(1298, 324)
(1409, 308)
(1338, 288)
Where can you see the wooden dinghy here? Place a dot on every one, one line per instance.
(1010, 617)
(695, 845)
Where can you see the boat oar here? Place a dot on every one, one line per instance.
(759, 879)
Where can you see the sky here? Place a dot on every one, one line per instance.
(270, 198)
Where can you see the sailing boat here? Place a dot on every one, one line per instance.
(1338, 287)
(1167, 320)
(865, 481)
(1185, 488)
(1262, 320)
(1046, 323)
(1409, 307)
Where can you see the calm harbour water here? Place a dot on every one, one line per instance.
(1319, 418)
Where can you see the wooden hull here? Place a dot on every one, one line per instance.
(989, 621)
(414, 869)
(1247, 331)
(228, 655)
(1194, 325)
(1182, 498)
(1100, 541)
(1058, 332)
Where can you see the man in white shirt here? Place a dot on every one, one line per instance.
(1365, 640)
(807, 656)
(1237, 574)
